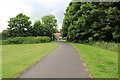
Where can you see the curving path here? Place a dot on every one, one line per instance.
(63, 62)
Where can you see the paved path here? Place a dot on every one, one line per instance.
(63, 62)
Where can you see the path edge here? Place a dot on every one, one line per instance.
(35, 63)
(83, 62)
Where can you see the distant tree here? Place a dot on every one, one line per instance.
(49, 24)
(5, 34)
(38, 29)
(19, 26)
(0, 36)
(60, 31)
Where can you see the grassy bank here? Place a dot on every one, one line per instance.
(100, 62)
(106, 45)
(18, 58)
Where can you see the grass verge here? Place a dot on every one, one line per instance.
(106, 45)
(18, 58)
(100, 62)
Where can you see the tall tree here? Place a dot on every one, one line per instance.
(50, 25)
(37, 28)
(86, 21)
(19, 26)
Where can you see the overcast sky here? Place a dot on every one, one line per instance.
(35, 9)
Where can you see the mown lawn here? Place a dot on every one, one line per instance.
(100, 62)
(18, 58)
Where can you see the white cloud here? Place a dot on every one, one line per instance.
(33, 8)
(10, 8)
(53, 12)
(59, 26)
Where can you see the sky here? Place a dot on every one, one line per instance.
(35, 9)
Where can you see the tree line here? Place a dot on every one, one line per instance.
(21, 26)
(92, 21)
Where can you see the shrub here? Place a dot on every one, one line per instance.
(106, 45)
(27, 40)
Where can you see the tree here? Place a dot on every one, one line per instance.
(86, 21)
(38, 28)
(50, 25)
(19, 26)
(113, 22)
(0, 36)
(5, 34)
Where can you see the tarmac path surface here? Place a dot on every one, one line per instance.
(63, 62)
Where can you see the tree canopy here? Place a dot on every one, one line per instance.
(50, 25)
(20, 26)
(37, 28)
(92, 21)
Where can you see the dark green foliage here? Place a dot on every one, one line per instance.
(92, 21)
(38, 28)
(50, 25)
(27, 40)
(5, 34)
(0, 36)
(19, 26)
(106, 45)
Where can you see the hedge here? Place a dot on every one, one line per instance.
(27, 40)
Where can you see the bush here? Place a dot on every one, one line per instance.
(27, 40)
(106, 45)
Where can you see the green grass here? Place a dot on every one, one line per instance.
(100, 62)
(106, 45)
(18, 58)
